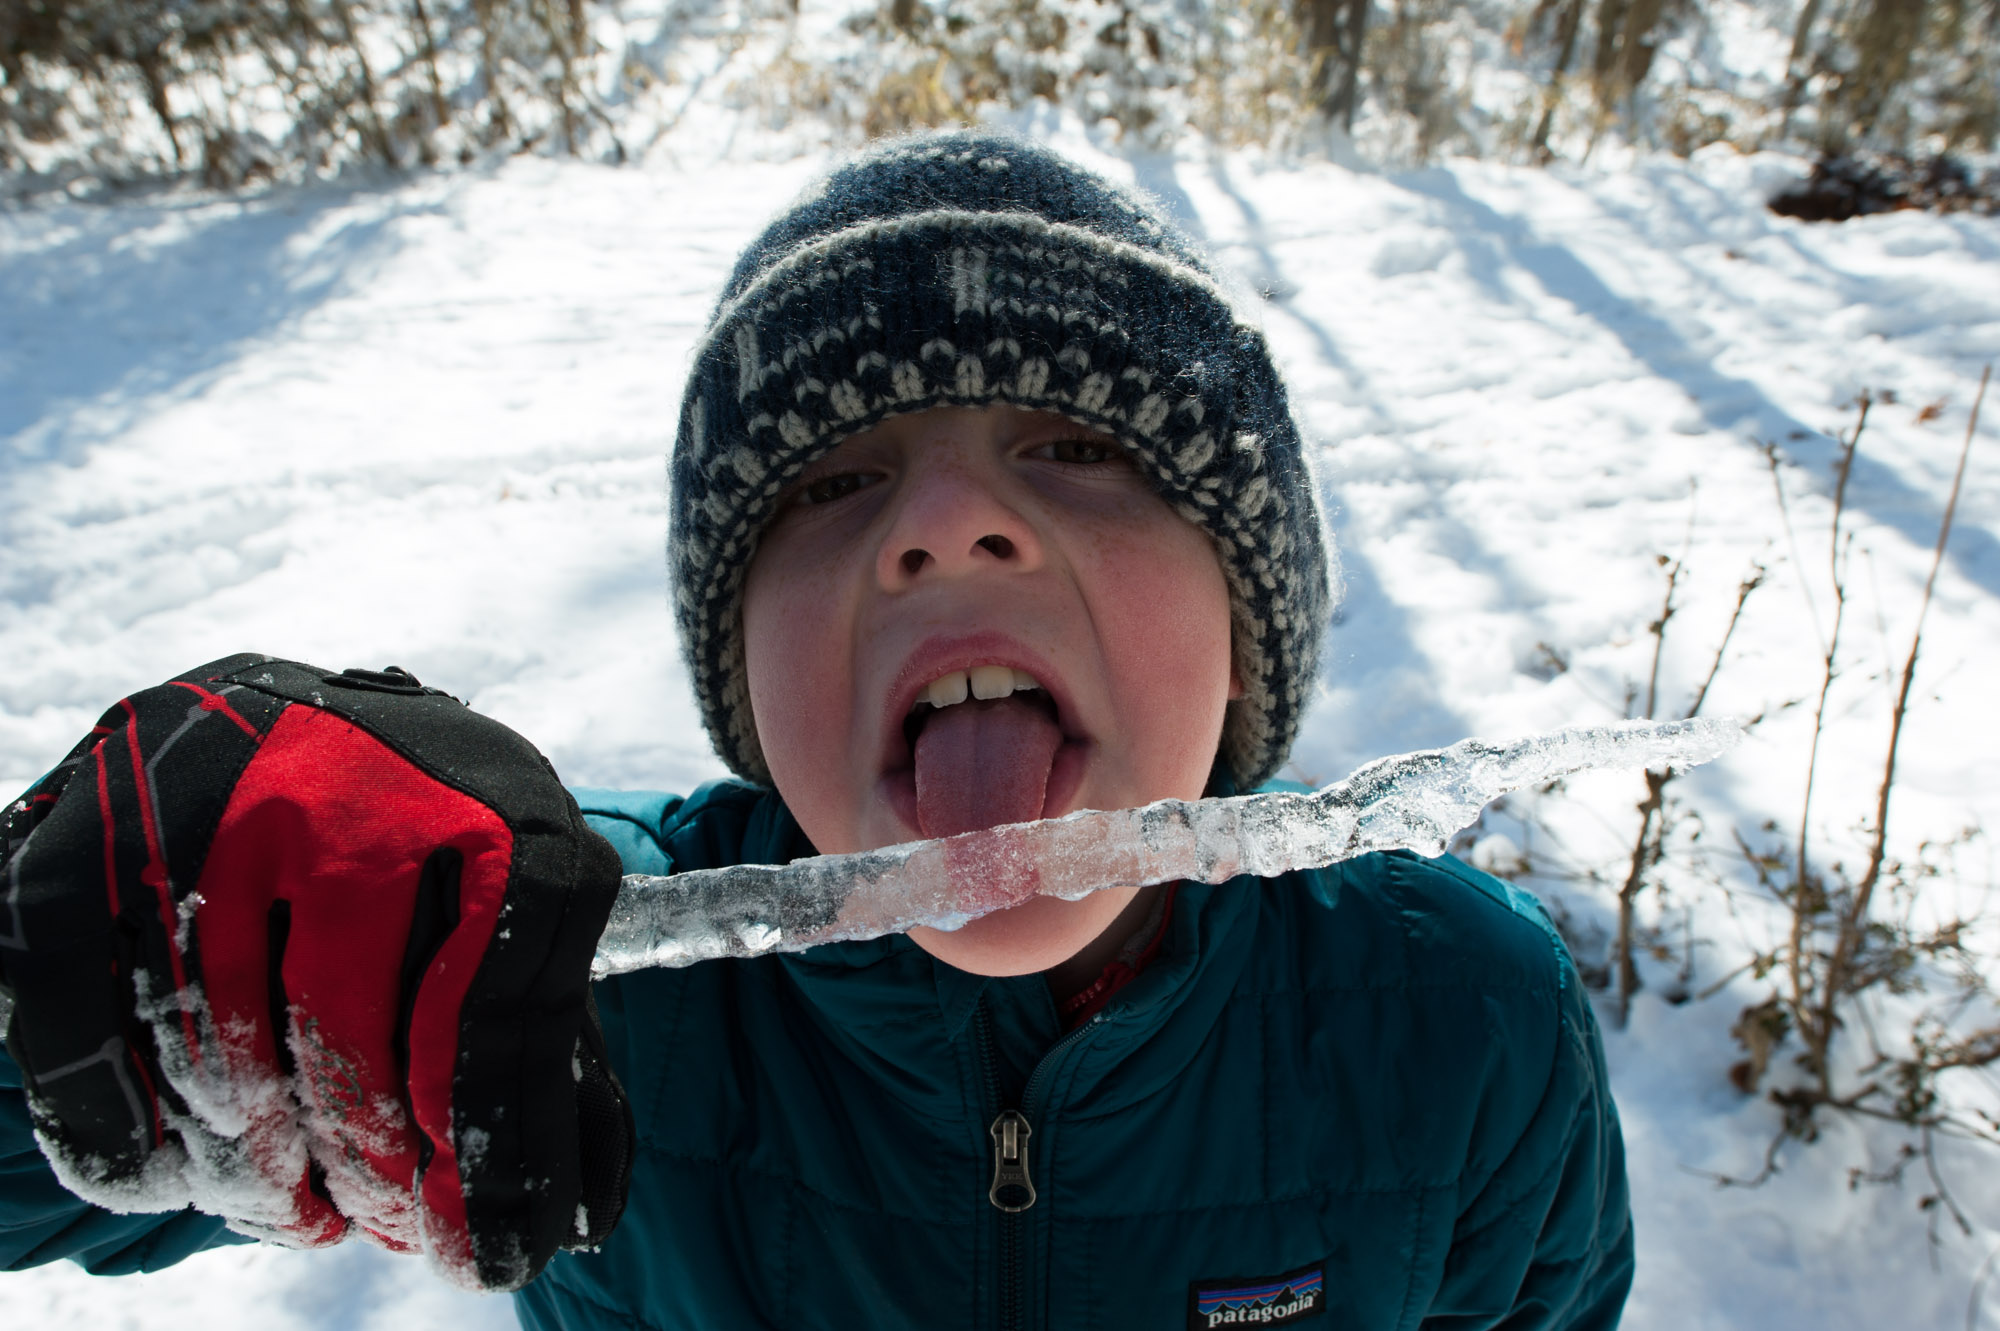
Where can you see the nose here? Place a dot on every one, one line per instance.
(954, 515)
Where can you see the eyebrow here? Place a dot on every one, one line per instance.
(1065, 428)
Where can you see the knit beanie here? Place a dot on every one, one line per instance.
(968, 269)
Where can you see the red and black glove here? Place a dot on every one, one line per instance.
(311, 951)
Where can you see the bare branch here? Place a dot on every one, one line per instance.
(1856, 914)
(1751, 582)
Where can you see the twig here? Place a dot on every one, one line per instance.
(1847, 940)
(1760, 1178)
(1974, 1051)
(1943, 1192)
(1646, 846)
(1804, 907)
(1658, 628)
(1724, 982)
(427, 48)
(1751, 582)
(1792, 540)
(1645, 853)
(1979, 1288)
(1881, 626)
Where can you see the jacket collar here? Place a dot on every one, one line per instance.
(875, 993)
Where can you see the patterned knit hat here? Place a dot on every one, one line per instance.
(967, 269)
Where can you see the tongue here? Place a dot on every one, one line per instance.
(981, 764)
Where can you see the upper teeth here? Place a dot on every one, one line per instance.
(988, 681)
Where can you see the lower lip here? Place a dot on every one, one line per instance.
(898, 789)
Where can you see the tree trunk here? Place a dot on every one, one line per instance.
(440, 110)
(1797, 65)
(1334, 31)
(1568, 23)
(152, 69)
(1885, 44)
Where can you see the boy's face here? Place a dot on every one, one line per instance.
(959, 549)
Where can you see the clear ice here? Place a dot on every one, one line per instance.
(1414, 801)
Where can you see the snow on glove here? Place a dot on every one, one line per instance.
(310, 951)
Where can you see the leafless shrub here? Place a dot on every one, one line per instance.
(1855, 933)
(1877, 988)
(1333, 35)
(1670, 831)
(1657, 819)
(1897, 75)
(242, 89)
(1604, 49)
(1234, 73)
(1418, 90)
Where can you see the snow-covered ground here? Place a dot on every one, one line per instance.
(422, 423)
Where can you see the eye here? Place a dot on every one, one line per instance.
(1083, 452)
(826, 489)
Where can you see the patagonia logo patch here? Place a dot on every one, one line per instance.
(1258, 1300)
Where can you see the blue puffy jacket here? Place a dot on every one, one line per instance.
(1367, 1097)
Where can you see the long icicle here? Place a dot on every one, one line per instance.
(1415, 801)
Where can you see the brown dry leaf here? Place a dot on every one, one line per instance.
(1760, 1030)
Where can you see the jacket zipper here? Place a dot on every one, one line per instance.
(1012, 1191)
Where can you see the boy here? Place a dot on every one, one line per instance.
(985, 508)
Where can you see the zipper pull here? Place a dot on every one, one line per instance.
(1012, 1190)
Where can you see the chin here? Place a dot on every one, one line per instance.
(1027, 938)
